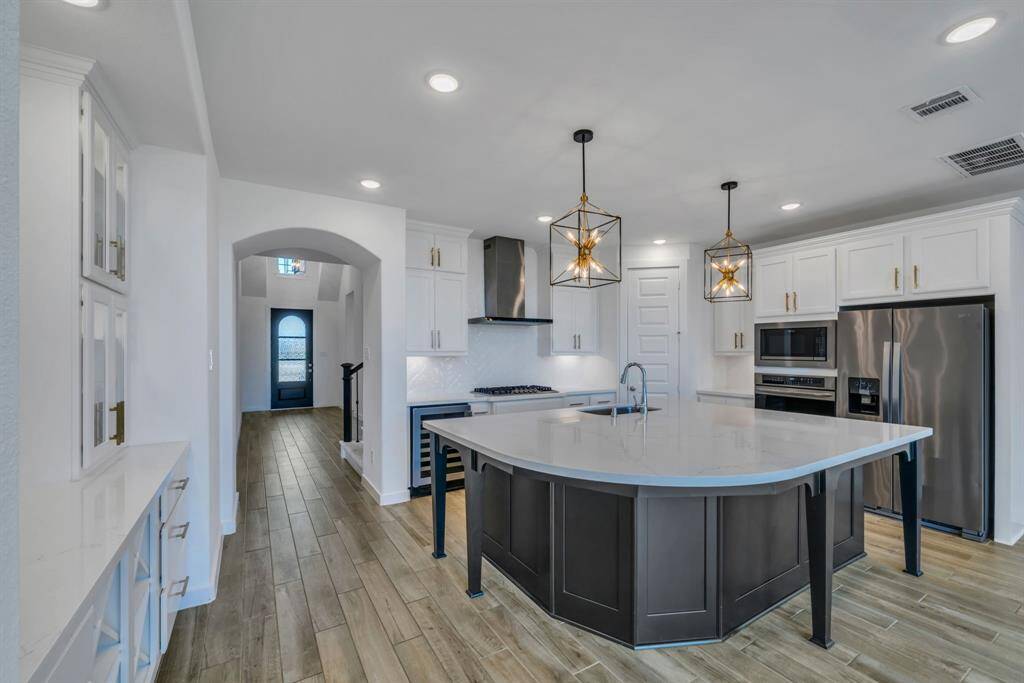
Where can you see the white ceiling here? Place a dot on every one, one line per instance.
(795, 100)
(137, 46)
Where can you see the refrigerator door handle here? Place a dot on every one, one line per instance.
(896, 400)
(886, 379)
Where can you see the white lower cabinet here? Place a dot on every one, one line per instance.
(526, 405)
(125, 623)
(725, 400)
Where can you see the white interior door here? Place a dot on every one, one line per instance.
(652, 330)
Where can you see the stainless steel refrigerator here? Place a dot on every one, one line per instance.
(928, 366)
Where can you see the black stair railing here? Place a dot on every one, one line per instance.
(350, 402)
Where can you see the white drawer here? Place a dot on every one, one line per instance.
(602, 399)
(576, 401)
(173, 577)
(177, 485)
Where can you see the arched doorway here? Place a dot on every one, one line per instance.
(256, 219)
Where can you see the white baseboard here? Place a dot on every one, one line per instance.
(346, 455)
(205, 593)
(1016, 533)
(230, 526)
(390, 498)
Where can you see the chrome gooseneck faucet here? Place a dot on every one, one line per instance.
(643, 382)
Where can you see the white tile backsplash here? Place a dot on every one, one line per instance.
(505, 354)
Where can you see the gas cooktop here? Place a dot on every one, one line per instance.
(513, 390)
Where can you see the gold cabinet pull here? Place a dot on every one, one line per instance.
(432, 251)
(741, 340)
(118, 410)
(916, 283)
(184, 587)
(182, 530)
(735, 340)
(794, 302)
(180, 484)
(439, 257)
(896, 279)
(787, 302)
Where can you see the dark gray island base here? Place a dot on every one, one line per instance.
(650, 566)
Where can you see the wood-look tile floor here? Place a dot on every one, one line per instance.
(320, 584)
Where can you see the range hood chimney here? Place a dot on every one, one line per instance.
(505, 284)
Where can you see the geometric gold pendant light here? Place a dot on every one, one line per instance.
(728, 265)
(585, 245)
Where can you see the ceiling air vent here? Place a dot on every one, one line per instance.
(991, 156)
(953, 99)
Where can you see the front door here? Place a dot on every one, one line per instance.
(291, 358)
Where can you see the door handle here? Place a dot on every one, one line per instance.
(896, 279)
(787, 302)
(439, 257)
(184, 587)
(183, 531)
(896, 401)
(794, 302)
(886, 380)
(118, 410)
(432, 250)
(916, 282)
(741, 340)
(735, 340)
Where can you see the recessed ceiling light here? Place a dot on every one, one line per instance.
(83, 3)
(969, 30)
(545, 219)
(443, 82)
(792, 206)
(659, 242)
(370, 184)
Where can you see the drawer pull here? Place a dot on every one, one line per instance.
(184, 588)
(182, 530)
(576, 405)
(180, 485)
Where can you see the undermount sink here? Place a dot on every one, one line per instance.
(621, 409)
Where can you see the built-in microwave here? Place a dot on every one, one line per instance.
(810, 344)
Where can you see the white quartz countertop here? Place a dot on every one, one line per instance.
(689, 443)
(71, 532)
(428, 399)
(728, 392)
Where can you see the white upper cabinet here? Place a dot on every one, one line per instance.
(105, 211)
(799, 283)
(104, 374)
(574, 311)
(871, 268)
(435, 298)
(814, 281)
(772, 284)
(436, 247)
(450, 322)
(734, 327)
(948, 258)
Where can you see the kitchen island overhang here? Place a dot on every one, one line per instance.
(677, 527)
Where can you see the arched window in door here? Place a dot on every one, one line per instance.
(291, 349)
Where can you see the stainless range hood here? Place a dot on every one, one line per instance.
(505, 285)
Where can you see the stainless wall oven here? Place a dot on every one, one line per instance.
(810, 344)
(795, 394)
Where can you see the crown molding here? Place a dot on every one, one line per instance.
(56, 66)
(437, 227)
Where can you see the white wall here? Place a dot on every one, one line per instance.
(351, 316)
(505, 354)
(172, 331)
(254, 332)
(257, 218)
(9, 57)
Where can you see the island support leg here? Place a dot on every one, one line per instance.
(438, 491)
(820, 507)
(474, 521)
(910, 497)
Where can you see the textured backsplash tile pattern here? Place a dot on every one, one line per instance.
(500, 355)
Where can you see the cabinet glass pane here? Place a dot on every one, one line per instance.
(100, 314)
(115, 261)
(120, 355)
(100, 164)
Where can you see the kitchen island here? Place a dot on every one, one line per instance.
(674, 527)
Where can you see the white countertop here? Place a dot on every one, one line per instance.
(728, 392)
(72, 531)
(689, 443)
(428, 399)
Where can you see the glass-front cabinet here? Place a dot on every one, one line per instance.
(105, 217)
(104, 373)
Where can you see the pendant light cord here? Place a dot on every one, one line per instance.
(584, 152)
(728, 212)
